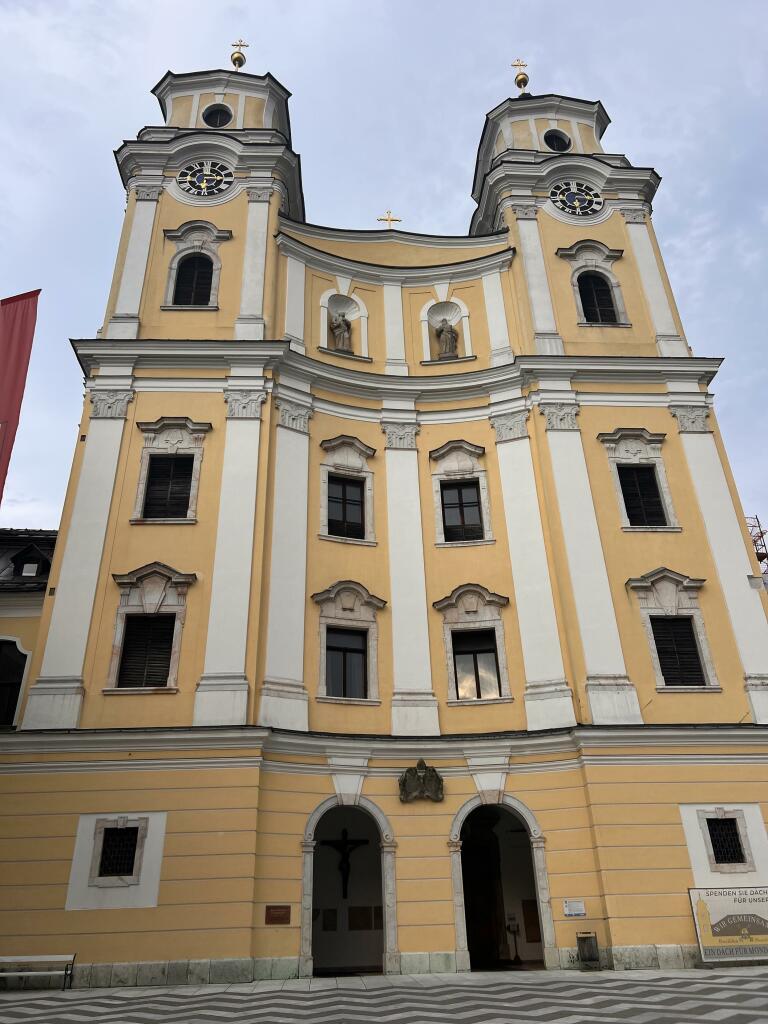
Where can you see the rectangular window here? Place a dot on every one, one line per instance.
(118, 851)
(169, 482)
(146, 654)
(677, 650)
(476, 663)
(462, 518)
(726, 841)
(345, 663)
(642, 498)
(345, 507)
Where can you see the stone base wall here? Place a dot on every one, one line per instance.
(248, 969)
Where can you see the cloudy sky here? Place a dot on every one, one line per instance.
(388, 103)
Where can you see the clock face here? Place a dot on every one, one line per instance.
(576, 198)
(205, 178)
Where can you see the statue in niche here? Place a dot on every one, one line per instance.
(420, 783)
(448, 339)
(342, 333)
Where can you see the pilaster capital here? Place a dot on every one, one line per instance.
(110, 405)
(634, 214)
(244, 405)
(560, 415)
(148, 193)
(510, 426)
(400, 435)
(294, 415)
(258, 193)
(691, 419)
(525, 211)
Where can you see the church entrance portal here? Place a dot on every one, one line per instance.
(347, 905)
(500, 905)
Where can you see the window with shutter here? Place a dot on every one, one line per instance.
(462, 518)
(677, 650)
(642, 498)
(345, 507)
(169, 482)
(727, 847)
(194, 279)
(596, 297)
(146, 654)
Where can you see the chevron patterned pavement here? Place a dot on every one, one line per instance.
(734, 996)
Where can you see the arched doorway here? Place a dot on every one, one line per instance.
(501, 893)
(348, 904)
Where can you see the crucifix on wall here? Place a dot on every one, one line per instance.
(345, 847)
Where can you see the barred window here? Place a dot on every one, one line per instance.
(118, 851)
(726, 842)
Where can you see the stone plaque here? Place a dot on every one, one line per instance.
(277, 913)
(574, 908)
(731, 924)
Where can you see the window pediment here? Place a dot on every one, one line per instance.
(347, 452)
(348, 599)
(666, 591)
(153, 587)
(471, 601)
(632, 444)
(588, 252)
(458, 458)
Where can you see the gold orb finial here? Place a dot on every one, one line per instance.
(521, 79)
(238, 57)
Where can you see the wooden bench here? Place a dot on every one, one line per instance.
(28, 966)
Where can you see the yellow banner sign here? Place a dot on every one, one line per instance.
(731, 924)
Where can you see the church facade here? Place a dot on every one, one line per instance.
(403, 616)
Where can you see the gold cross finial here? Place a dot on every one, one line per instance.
(238, 57)
(521, 78)
(390, 219)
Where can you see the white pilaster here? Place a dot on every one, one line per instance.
(222, 693)
(497, 319)
(124, 322)
(668, 340)
(294, 303)
(393, 328)
(249, 325)
(612, 697)
(741, 587)
(284, 701)
(414, 707)
(548, 342)
(548, 699)
(56, 698)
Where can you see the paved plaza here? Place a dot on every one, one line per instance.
(734, 996)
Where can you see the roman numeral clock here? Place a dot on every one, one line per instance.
(576, 198)
(205, 178)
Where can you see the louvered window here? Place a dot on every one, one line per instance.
(726, 841)
(194, 278)
(462, 518)
(597, 299)
(169, 482)
(642, 498)
(345, 507)
(476, 663)
(677, 650)
(346, 663)
(118, 851)
(146, 655)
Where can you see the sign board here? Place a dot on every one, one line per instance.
(731, 924)
(277, 914)
(574, 908)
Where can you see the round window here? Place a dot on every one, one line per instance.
(217, 116)
(556, 140)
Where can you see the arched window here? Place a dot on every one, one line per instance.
(597, 299)
(194, 278)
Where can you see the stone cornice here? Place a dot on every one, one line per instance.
(375, 273)
(523, 371)
(403, 237)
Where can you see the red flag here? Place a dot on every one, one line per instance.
(17, 328)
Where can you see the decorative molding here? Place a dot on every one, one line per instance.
(472, 606)
(524, 211)
(244, 405)
(259, 194)
(117, 881)
(400, 435)
(455, 461)
(589, 255)
(738, 816)
(294, 415)
(333, 444)
(691, 419)
(144, 194)
(459, 448)
(633, 214)
(638, 446)
(421, 783)
(588, 251)
(110, 405)
(510, 426)
(195, 237)
(560, 415)
(347, 604)
(348, 456)
(171, 435)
